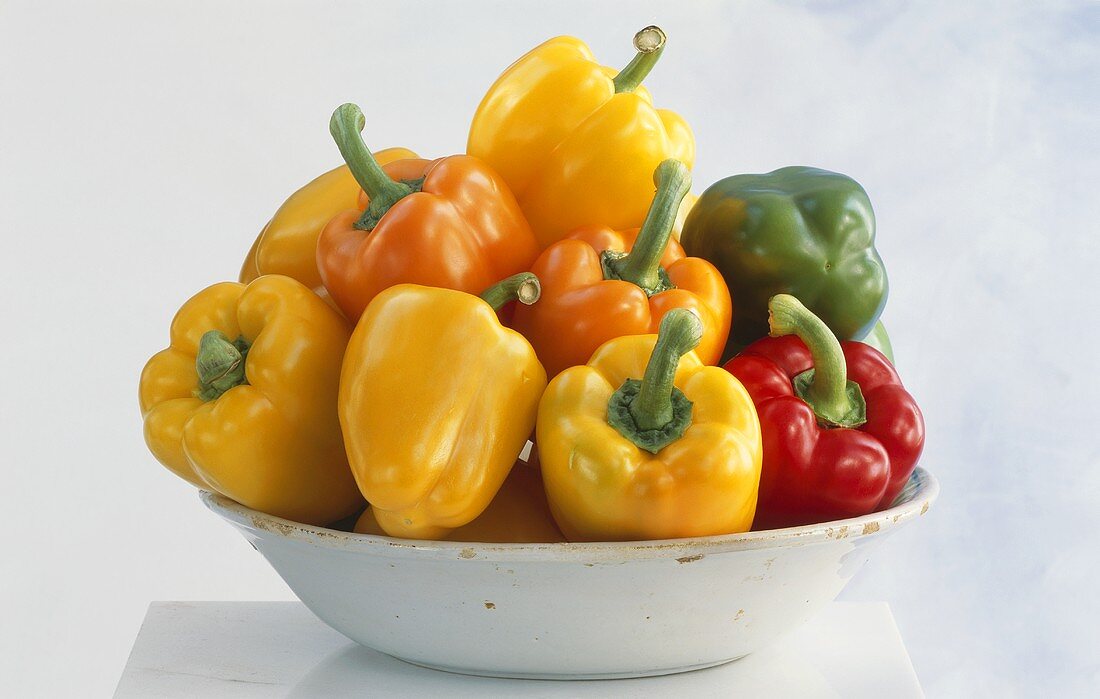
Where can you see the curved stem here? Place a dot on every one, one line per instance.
(643, 264)
(346, 127)
(220, 364)
(523, 287)
(650, 43)
(653, 413)
(679, 333)
(835, 400)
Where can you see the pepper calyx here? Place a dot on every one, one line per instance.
(608, 260)
(220, 364)
(856, 406)
(655, 439)
(416, 185)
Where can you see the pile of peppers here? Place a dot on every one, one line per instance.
(547, 337)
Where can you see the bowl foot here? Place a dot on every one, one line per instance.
(478, 672)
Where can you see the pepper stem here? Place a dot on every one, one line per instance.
(836, 401)
(642, 265)
(523, 287)
(653, 412)
(346, 127)
(650, 43)
(220, 364)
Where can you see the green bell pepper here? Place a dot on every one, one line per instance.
(878, 339)
(800, 231)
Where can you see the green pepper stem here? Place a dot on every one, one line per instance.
(650, 43)
(523, 287)
(346, 127)
(679, 333)
(653, 413)
(836, 401)
(220, 364)
(642, 266)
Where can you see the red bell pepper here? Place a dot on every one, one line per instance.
(841, 434)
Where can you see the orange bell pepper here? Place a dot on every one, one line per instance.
(450, 223)
(593, 291)
(287, 245)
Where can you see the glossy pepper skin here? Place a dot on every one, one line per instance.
(287, 245)
(243, 401)
(576, 141)
(591, 293)
(674, 455)
(517, 514)
(451, 223)
(436, 401)
(800, 231)
(840, 441)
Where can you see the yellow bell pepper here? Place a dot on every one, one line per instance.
(577, 142)
(243, 401)
(518, 514)
(436, 401)
(674, 455)
(288, 243)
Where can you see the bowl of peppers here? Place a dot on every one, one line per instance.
(535, 410)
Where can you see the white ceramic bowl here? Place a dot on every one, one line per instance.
(584, 610)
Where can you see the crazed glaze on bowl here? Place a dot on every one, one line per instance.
(571, 610)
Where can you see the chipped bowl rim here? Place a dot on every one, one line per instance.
(914, 500)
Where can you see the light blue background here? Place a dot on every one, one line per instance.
(143, 145)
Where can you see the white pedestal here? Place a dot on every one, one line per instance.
(279, 649)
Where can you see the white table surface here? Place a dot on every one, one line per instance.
(279, 649)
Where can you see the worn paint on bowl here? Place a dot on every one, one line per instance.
(571, 610)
